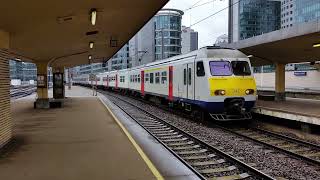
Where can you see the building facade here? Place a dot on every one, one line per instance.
(287, 13)
(167, 24)
(189, 40)
(249, 18)
(307, 10)
(22, 70)
(142, 45)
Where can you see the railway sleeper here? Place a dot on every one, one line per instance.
(217, 170)
(207, 163)
(232, 177)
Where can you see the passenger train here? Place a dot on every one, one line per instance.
(210, 81)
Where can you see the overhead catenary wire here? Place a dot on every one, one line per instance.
(215, 13)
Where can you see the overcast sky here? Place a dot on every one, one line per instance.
(209, 29)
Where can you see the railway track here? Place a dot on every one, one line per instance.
(297, 148)
(16, 93)
(203, 159)
(306, 151)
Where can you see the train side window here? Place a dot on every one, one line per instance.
(146, 77)
(200, 69)
(189, 76)
(185, 76)
(164, 77)
(151, 78)
(157, 80)
(138, 78)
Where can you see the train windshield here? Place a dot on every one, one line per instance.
(225, 68)
(241, 68)
(220, 68)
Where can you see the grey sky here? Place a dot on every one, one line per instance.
(209, 29)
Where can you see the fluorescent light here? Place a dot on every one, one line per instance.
(89, 57)
(93, 16)
(91, 44)
(18, 59)
(250, 56)
(316, 45)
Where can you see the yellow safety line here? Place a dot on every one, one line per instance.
(151, 166)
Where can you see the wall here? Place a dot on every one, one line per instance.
(5, 117)
(309, 82)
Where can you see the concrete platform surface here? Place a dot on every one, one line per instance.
(303, 110)
(79, 141)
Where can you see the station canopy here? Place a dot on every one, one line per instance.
(59, 32)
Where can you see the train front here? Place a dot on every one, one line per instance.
(233, 88)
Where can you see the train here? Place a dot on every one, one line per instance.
(211, 81)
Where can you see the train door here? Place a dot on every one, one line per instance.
(188, 80)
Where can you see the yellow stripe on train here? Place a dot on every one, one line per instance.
(233, 86)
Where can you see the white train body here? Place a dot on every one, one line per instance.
(219, 81)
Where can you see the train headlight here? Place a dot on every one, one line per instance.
(249, 91)
(220, 92)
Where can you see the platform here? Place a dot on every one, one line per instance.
(83, 140)
(302, 110)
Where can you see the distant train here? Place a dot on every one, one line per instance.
(210, 81)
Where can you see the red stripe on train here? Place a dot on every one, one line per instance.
(142, 83)
(170, 94)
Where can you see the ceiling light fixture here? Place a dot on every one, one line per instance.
(91, 44)
(316, 45)
(250, 56)
(89, 57)
(93, 16)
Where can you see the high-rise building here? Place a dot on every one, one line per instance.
(307, 10)
(287, 13)
(249, 18)
(142, 45)
(189, 40)
(22, 70)
(167, 24)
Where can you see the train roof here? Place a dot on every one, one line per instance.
(205, 52)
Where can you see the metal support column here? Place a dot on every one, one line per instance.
(280, 94)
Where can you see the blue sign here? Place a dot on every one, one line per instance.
(300, 73)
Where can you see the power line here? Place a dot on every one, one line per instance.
(192, 7)
(231, 5)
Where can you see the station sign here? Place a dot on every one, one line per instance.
(300, 73)
(41, 80)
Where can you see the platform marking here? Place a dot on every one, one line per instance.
(151, 166)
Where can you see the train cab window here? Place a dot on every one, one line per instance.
(200, 69)
(164, 77)
(189, 76)
(146, 77)
(138, 78)
(157, 79)
(151, 78)
(185, 76)
(220, 68)
(241, 68)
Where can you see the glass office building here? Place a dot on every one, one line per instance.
(167, 24)
(257, 17)
(307, 10)
(22, 70)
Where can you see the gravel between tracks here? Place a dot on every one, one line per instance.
(270, 161)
